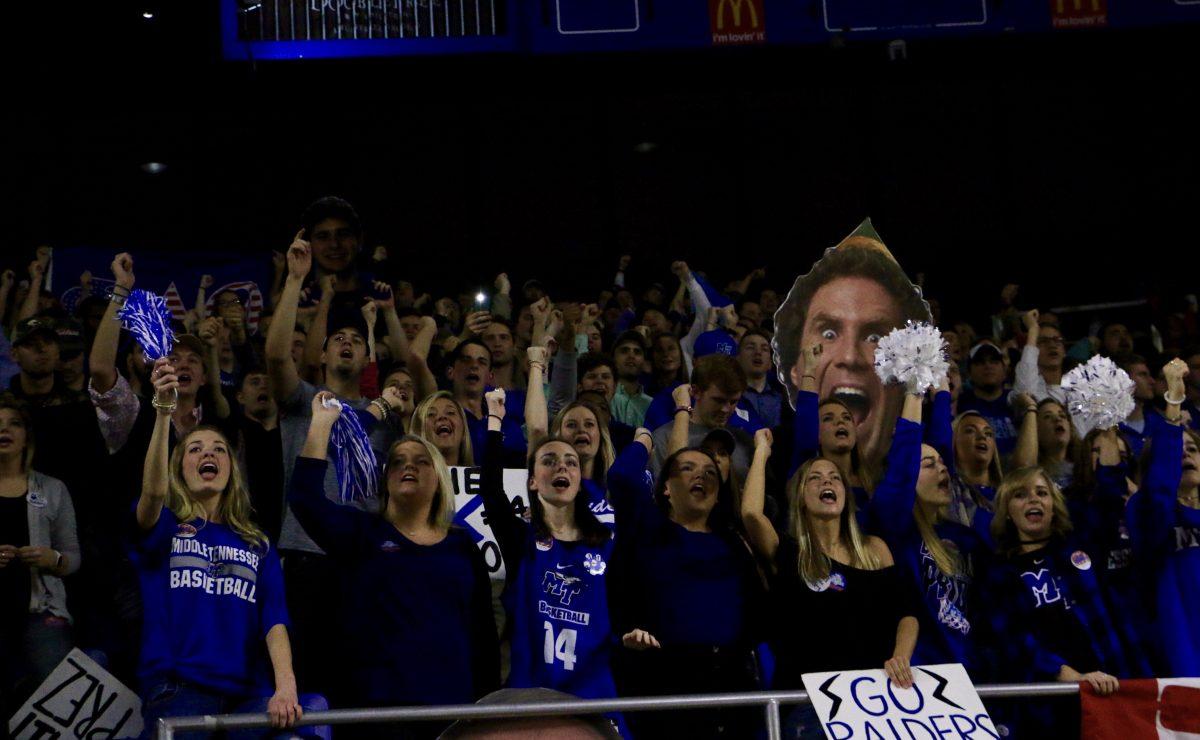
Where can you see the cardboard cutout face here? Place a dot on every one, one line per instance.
(854, 295)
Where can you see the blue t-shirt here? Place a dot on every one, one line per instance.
(209, 599)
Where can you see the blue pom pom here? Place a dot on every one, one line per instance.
(353, 459)
(148, 319)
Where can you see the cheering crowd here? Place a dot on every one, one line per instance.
(722, 493)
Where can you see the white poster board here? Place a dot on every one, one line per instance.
(854, 705)
(469, 505)
(79, 700)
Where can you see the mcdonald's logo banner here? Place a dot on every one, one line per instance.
(1079, 13)
(737, 22)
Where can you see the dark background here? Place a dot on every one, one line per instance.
(1066, 162)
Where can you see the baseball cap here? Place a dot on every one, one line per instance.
(984, 346)
(194, 343)
(33, 326)
(721, 438)
(70, 338)
(717, 341)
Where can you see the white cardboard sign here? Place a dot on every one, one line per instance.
(469, 505)
(858, 705)
(79, 700)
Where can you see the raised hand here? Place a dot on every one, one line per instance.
(210, 330)
(763, 439)
(299, 256)
(369, 312)
(206, 281)
(326, 408)
(478, 322)
(503, 286)
(1030, 320)
(85, 279)
(166, 383)
(6, 280)
(122, 269)
(680, 269)
(387, 299)
(682, 396)
(495, 402)
(380, 254)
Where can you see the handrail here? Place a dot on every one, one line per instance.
(769, 700)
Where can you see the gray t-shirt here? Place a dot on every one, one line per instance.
(295, 414)
(742, 455)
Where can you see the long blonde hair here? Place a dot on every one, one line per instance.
(416, 427)
(1004, 531)
(442, 510)
(995, 472)
(813, 564)
(234, 508)
(605, 454)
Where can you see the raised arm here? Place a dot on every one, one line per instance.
(1026, 452)
(537, 421)
(102, 363)
(763, 537)
(891, 511)
(337, 529)
(502, 299)
(940, 431)
(418, 358)
(315, 338)
(681, 419)
(806, 424)
(509, 530)
(154, 471)
(280, 366)
(210, 334)
(1028, 379)
(37, 275)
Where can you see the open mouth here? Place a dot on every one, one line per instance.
(842, 433)
(1035, 515)
(944, 484)
(346, 354)
(561, 483)
(982, 447)
(855, 399)
(408, 478)
(582, 440)
(262, 398)
(443, 430)
(208, 470)
(1189, 465)
(184, 378)
(6, 441)
(472, 378)
(828, 496)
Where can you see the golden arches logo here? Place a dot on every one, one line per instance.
(735, 9)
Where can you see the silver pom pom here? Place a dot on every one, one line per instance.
(1099, 395)
(913, 355)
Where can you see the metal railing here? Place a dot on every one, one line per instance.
(770, 701)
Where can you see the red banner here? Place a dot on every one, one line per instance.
(1143, 709)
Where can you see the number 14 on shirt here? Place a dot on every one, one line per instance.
(562, 647)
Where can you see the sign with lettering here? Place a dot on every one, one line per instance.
(469, 505)
(79, 700)
(866, 704)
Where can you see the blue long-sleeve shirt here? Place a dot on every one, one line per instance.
(1061, 576)
(417, 624)
(686, 588)
(1166, 542)
(947, 602)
